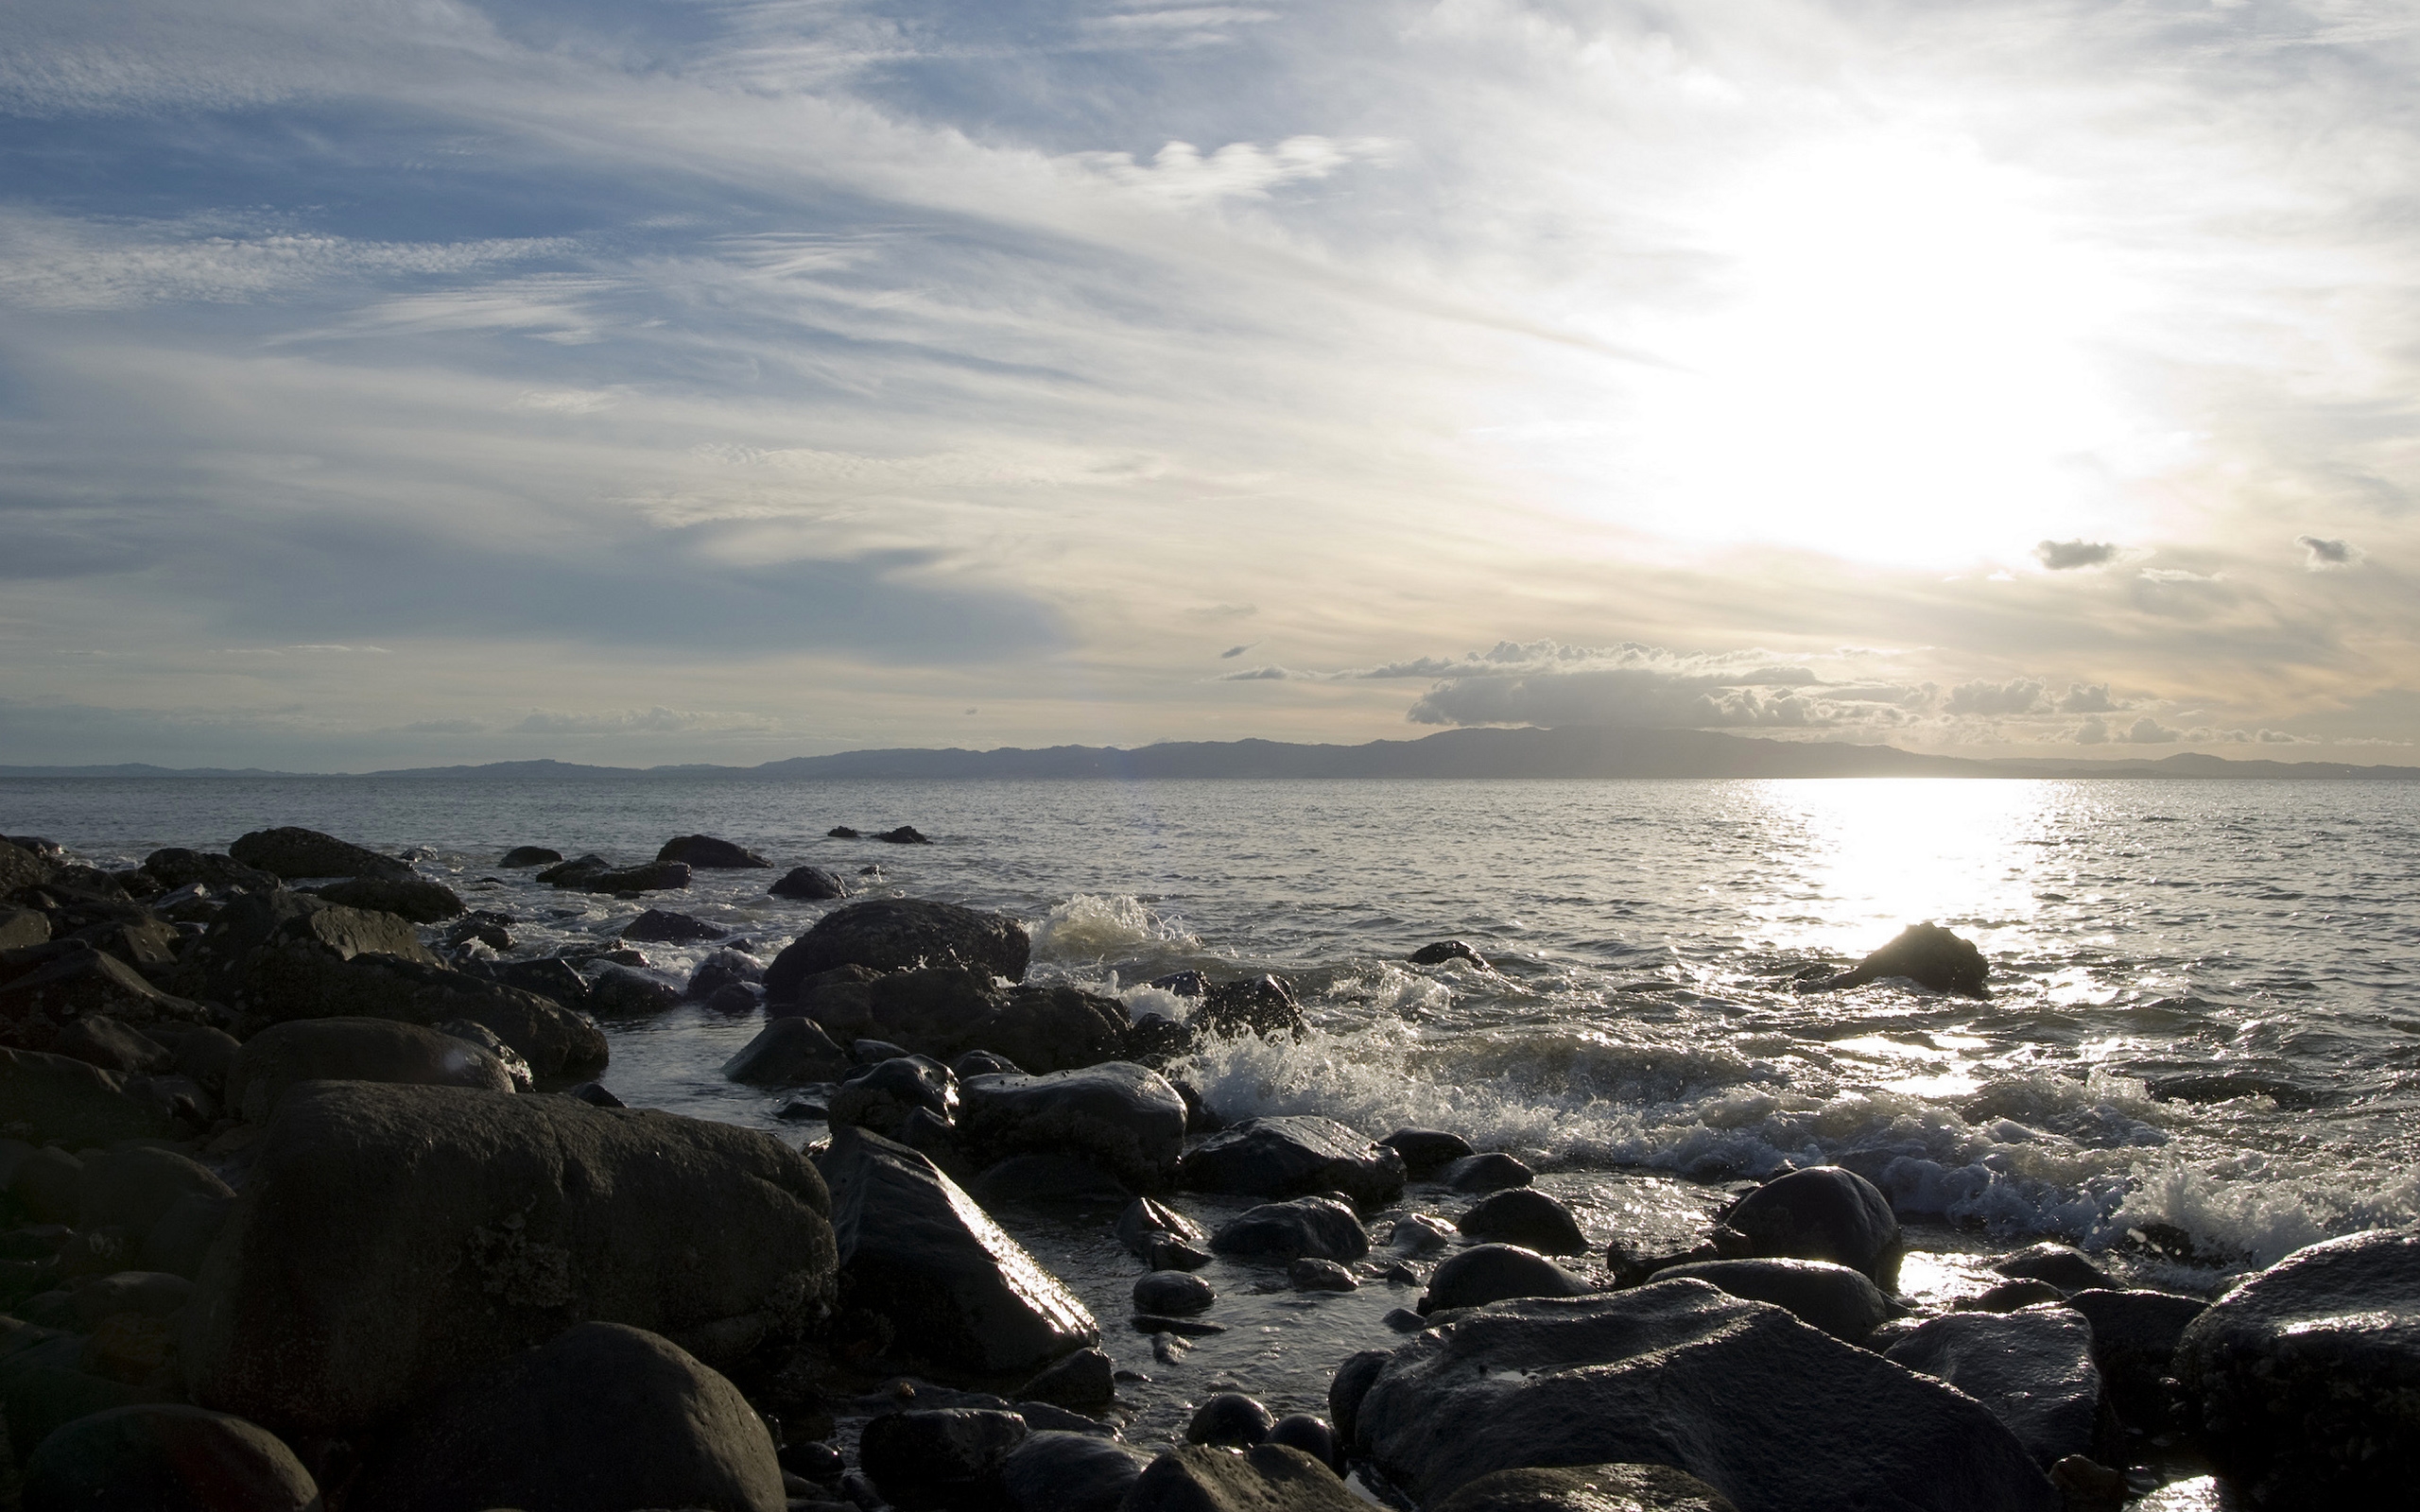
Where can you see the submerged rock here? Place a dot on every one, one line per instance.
(2062, 1266)
(1263, 1006)
(810, 884)
(788, 1053)
(1823, 1213)
(904, 834)
(1448, 949)
(1291, 1156)
(2033, 1370)
(1492, 1172)
(1926, 954)
(1173, 1294)
(901, 934)
(529, 856)
(1162, 1237)
(1228, 1420)
(706, 852)
(659, 924)
(292, 852)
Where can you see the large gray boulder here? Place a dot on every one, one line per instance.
(1774, 1414)
(964, 1297)
(603, 1415)
(1835, 1299)
(1823, 1213)
(292, 852)
(354, 1050)
(2032, 1369)
(393, 1240)
(2303, 1383)
(898, 934)
(1293, 1157)
(1123, 1117)
(158, 1457)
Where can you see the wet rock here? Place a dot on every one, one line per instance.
(2033, 1370)
(1320, 1227)
(1068, 1472)
(880, 1096)
(900, 934)
(1184, 984)
(531, 856)
(2010, 1296)
(393, 1240)
(809, 884)
(950, 1011)
(1264, 1478)
(1228, 1420)
(1123, 1117)
(553, 979)
(1418, 1234)
(1173, 1294)
(2062, 1266)
(1491, 1273)
(1293, 1157)
(135, 1187)
(1492, 1172)
(1162, 1237)
(904, 834)
(1529, 1218)
(167, 1458)
(1832, 1297)
(2303, 1383)
(788, 1053)
(22, 927)
(875, 1052)
(706, 852)
(1448, 949)
(176, 867)
(1310, 1434)
(1589, 1489)
(1048, 1178)
(53, 1097)
(1313, 1274)
(736, 1001)
(1823, 1213)
(621, 992)
(1774, 1414)
(1926, 954)
(99, 1041)
(354, 1050)
(1427, 1151)
(983, 1063)
(69, 980)
(292, 852)
(1086, 1380)
(594, 1095)
(917, 1249)
(480, 927)
(1262, 1005)
(602, 1416)
(941, 1458)
(143, 1293)
(417, 898)
(2135, 1334)
(840, 832)
(657, 924)
(593, 873)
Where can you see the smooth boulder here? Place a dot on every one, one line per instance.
(2032, 1369)
(882, 1096)
(58, 1098)
(1774, 1414)
(602, 1416)
(1427, 1151)
(159, 1457)
(1928, 955)
(1496, 1273)
(174, 866)
(531, 856)
(2303, 1383)
(1125, 1118)
(788, 1053)
(939, 1457)
(900, 934)
(1319, 1228)
(1493, 1171)
(1262, 1005)
(1292, 1157)
(1822, 1213)
(659, 925)
(809, 885)
(2135, 1334)
(1528, 1218)
(292, 852)
(354, 1050)
(1264, 1478)
(1588, 1488)
(392, 1240)
(1060, 1471)
(706, 853)
(2061, 1265)
(1832, 1297)
(417, 898)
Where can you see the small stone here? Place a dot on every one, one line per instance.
(1309, 1274)
(1174, 1294)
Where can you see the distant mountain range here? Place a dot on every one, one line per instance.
(1581, 752)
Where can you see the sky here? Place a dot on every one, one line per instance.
(408, 382)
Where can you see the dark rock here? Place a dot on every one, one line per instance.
(567, 873)
(736, 1001)
(602, 1416)
(1068, 1472)
(594, 1095)
(1491, 1273)
(1353, 1378)
(1184, 984)
(918, 1251)
(900, 934)
(983, 1063)
(2135, 1334)
(481, 927)
(1822, 1213)
(44, 1384)
(880, 1096)
(1832, 1297)
(1322, 1227)
(99, 1041)
(144, 941)
(621, 992)
(657, 924)
(1048, 1178)
(593, 873)
(1774, 1414)
(708, 979)
(1084, 1380)
(414, 898)
(840, 832)
(292, 852)
(134, 1188)
(1182, 1326)
(1262, 1005)
(939, 1459)
(146, 1293)
(52, 1098)
(1589, 1489)
(812, 1459)
(2062, 1266)
(1162, 1237)
(948, 1011)
(1228, 1420)
(1310, 1434)
(1448, 949)
(2303, 1383)
(1313, 1274)
(203, 1054)
(1123, 1117)
(180, 1240)
(531, 856)
(875, 1052)
(2010, 1296)
(1293, 1157)
(71, 980)
(1264, 1478)
(1529, 1218)
(810, 884)
(552, 979)
(904, 834)
(159, 1457)
(22, 927)
(21, 868)
(354, 1050)
(1173, 1294)
(393, 1240)
(2033, 1370)
(178, 867)
(1427, 1151)
(1926, 954)
(1418, 1234)
(1492, 1172)
(706, 852)
(47, 1183)
(788, 1053)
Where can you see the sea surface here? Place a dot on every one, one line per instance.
(2204, 1026)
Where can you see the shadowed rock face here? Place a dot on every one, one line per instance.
(2032, 1369)
(1823, 1213)
(706, 853)
(1774, 1414)
(1264, 1478)
(1293, 1157)
(293, 853)
(2303, 1383)
(1926, 954)
(354, 1050)
(895, 934)
(1832, 1297)
(172, 1458)
(414, 898)
(1123, 1117)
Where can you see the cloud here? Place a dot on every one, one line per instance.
(1234, 651)
(1546, 682)
(2321, 555)
(1269, 674)
(658, 721)
(2067, 556)
(2088, 698)
(2091, 733)
(1989, 701)
(2149, 732)
(1179, 173)
(443, 727)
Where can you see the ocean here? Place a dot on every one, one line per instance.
(2204, 1031)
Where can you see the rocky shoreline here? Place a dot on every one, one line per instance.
(315, 1196)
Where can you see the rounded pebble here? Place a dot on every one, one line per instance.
(1230, 1420)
